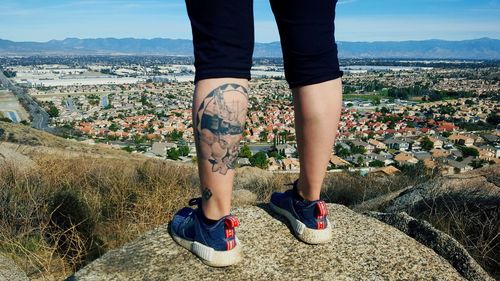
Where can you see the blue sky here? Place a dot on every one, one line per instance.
(357, 20)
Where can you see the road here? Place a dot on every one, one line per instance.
(70, 104)
(40, 118)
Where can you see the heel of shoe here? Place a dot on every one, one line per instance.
(305, 234)
(218, 258)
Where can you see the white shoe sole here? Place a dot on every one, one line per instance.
(307, 235)
(208, 255)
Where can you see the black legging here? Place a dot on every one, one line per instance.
(223, 38)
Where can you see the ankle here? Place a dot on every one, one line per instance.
(206, 220)
(213, 212)
(303, 191)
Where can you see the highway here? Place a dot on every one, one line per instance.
(40, 118)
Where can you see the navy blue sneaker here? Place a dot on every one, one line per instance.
(216, 245)
(308, 219)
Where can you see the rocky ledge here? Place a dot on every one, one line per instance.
(363, 248)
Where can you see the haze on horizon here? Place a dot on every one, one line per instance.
(357, 20)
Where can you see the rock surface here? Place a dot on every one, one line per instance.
(9, 270)
(440, 242)
(363, 248)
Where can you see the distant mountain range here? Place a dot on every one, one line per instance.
(483, 48)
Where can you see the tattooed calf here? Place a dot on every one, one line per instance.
(219, 125)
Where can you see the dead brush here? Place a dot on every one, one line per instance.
(473, 223)
(351, 188)
(63, 213)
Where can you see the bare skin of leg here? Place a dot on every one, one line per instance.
(219, 112)
(317, 114)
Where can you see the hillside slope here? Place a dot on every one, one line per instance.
(25, 140)
(105, 198)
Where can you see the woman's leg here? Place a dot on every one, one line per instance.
(223, 40)
(312, 70)
(219, 112)
(317, 114)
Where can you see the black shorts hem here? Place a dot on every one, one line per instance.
(221, 74)
(316, 79)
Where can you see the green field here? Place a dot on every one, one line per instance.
(367, 96)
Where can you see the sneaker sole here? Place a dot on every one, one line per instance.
(208, 255)
(302, 232)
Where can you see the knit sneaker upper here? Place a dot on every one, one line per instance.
(311, 213)
(188, 224)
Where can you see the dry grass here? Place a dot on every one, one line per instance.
(475, 224)
(351, 189)
(64, 213)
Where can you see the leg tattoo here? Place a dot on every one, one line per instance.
(219, 126)
(206, 194)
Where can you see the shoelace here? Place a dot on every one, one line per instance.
(195, 201)
(294, 183)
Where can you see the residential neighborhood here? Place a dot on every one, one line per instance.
(443, 118)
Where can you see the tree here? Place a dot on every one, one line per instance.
(476, 164)
(113, 127)
(275, 154)
(377, 163)
(384, 110)
(144, 100)
(9, 74)
(360, 161)
(175, 135)
(446, 134)
(53, 111)
(184, 150)
(358, 150)
(138, 139)
(128, 148)
(469, 151)
(493, 119)
(259, 159)
(173, 154)
(427, 144)
(341, 151)
(263, 135)
(469, 102)
(245, 152)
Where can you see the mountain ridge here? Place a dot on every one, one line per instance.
(481, 48)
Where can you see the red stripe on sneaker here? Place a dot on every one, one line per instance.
(322, 209)
(229, 232)
(232, 221)
(230, 244)
(320, 225)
